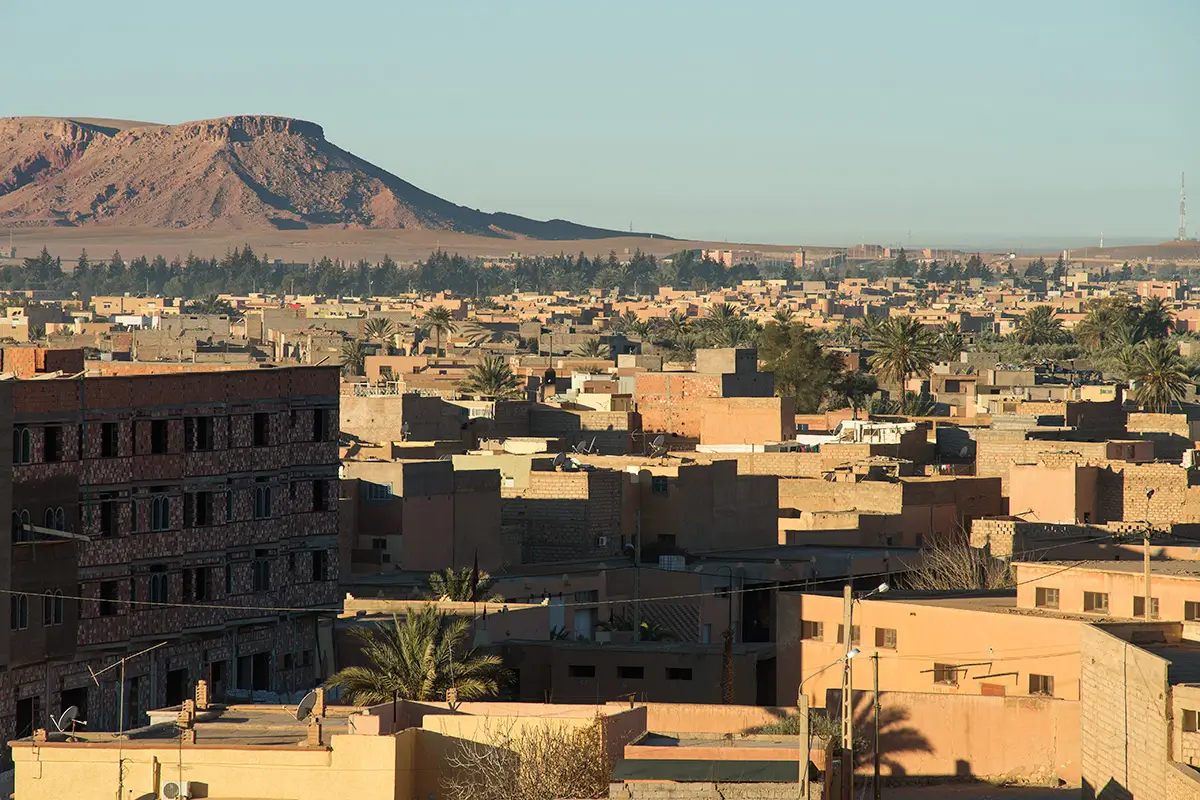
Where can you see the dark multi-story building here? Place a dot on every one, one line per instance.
(201, 518)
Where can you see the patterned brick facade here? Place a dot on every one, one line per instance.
(210, 505)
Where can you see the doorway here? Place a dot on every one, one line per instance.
(76, 697)
(176, 687)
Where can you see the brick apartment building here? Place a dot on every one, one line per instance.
(202, 513)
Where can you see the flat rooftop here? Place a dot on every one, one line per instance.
(238, 725)
(1179, 569)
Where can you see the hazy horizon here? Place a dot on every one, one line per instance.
(938, 123)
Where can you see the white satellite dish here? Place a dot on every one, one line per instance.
(304, 710)
(658, 442)
(559, 460)
(69, 718)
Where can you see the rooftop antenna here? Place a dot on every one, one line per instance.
(1183, 209)
(121, 663)
(560, 460)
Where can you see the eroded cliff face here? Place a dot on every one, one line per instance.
(241, 172)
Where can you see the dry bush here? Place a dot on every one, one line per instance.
(532, 762)
(955, 565)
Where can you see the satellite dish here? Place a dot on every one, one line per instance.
(68, 719)
(446, 457)
(581, 448)
(304, 710)
(559, 460)
(658, 442)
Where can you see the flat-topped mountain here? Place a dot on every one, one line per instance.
(244, 172)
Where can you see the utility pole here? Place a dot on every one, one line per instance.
(875, 748)
(1146, 556)
(847, 691)
(802, 704)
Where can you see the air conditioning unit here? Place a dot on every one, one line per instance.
(176, 790)
(601, 541)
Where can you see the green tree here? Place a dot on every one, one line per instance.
(1097, 331)
(856, 388)
(1040, 325)
(802, 368)
(1158, 375)
(455, 584)
(419, 659)
(354, 357)
(380, 328)
(492, 378)
(438, 320)
(593, 348)
(949, 342)
(1156, 318)
(902, 348)
(901, 267)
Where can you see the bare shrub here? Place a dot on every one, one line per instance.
(540, 761)
(955, 565)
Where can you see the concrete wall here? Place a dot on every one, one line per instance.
(363, 767)
(1123, 718)
(747, 420)
(1018, 739)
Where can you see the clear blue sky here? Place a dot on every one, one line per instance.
(785, 121)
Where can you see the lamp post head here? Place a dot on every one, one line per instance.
(852, 653)
(883, 587)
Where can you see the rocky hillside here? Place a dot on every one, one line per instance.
(247, 172)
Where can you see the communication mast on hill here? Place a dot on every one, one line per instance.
(1182, 208)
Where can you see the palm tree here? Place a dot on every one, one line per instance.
(1156, 318)
(493, 378)
(1040, 325)
(593, 348)
(902, 348)
(380, 328)
(675, 326)
(783, 315)
(950, 342)
(211, 304)
(419, 659)
(438, 320)
(1158, 375)
(455, 584)
(1096, 331)
(354, 357)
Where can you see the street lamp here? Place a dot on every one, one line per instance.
(847, 678)
(802, 702)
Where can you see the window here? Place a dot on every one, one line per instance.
(1189, 721)
(1041, 684)
(108, 519)
(1045, 598)
(19, 612)
(262, 501)
(1191, 610)
(22, 446)
(228, 577)
(108, 440)
(1139, 607)
(320, 491)
(945, 673)
(885, 638)
(812, 630)
(199, 433)
(378, 491)
(631, 673)
(581, 670)
(109, 592)
(262, 429)
(659, 484)
(52, 444)
(320, 419)
(288, 660)
(261, 569)
(160, 513)
(200, 590)
(379, 543)
(679, 673)
(1096, 602)
(855, 634)
(198, 509)
(320, 565)
(158, 436)
(52, 608)
(229, 504)
(159, 588)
